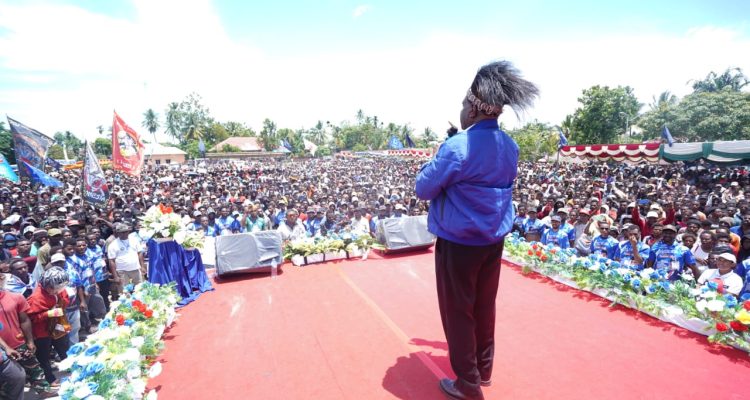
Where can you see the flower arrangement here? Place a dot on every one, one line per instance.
(162, 222)
(724, 317)
(117, 361)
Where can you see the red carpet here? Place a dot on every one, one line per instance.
(371, 330)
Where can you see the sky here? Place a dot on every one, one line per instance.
(66, 65)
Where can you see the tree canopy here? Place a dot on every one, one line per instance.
(604, 114)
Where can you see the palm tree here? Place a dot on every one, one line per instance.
(151, 122)
(100, 129)
(193, 131)
(665, 100)
(732, 78)
(173, 121)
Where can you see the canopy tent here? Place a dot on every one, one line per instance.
(634, 153)
(717, 152)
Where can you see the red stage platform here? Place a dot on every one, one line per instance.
(371, 330)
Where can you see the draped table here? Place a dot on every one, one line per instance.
(169, 262)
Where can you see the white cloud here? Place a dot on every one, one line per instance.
(73, 73)
(361, 10)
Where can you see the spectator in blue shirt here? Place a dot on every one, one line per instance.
(632, 252)
(671, 256)
(556, 236)
(224, 222)
(603, 244)
(532, 222)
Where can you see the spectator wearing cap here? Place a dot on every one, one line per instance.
(196, 224)
(78, 271)
(125, 255)
(10, 242)
(603, 244)
(95, 257)
(652, 217)
(724, 274)
(532, 222)
(280, 215)
(314, 222)
(359, 224)
(670, 256)
(381, 215)
(554, 235)
(54, 238)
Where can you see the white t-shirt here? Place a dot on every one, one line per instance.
(125, 254)
(732, 282)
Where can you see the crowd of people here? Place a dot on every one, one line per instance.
(63, 261)
(692, 222)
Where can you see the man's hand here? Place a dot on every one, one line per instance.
(84, 306)
(12, 353)
(55, 312)
(31, 346)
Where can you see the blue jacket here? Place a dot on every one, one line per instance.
(470, 185)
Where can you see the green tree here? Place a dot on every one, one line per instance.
(103, 147)
(603, 114)
(732, 79)
(428, 138)
(238, 129)
(535, 140)
(72, 144)
(268, 135)
(6, 144)
(172, 120)
(228, 148)
(215, 133)
(188, 120)
(55, 152)
(702, 116)
(151, 121)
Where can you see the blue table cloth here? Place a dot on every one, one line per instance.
(169, 262)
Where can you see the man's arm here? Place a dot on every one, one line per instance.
(437, 174)
(28, 335)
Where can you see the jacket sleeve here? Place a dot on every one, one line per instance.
(438, 174)
(636, 215)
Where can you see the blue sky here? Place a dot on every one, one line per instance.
(64, 65)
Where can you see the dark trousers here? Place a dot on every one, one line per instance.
(43, 350)
(12, 379)
(467, 281)
(104, 288)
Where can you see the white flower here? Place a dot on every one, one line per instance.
(624, 271)
(139, 386)
(646, 273)
(85, 360)
(164, 233)
(701, 305)
(134, 373)
(695, 292)
(82, 392)
(180, 236)
(708, 295)
(155, 370)
(137, 341)
(95, 397)
(687, 277)
(65, 364)
(151, 395)
(715, 305)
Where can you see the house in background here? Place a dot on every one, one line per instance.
(157, 154)
(249, 148)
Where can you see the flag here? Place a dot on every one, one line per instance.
(53, 163)
(36, 175)
(6, 171)
(282, 148)
(409, 142)
(30, 145)
(202, 148)
(394, 143)
(563, 141)
(95, 189)
(286, 144)
(127, 149)
(667, 136)
(310, 146)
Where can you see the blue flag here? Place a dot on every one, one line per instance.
(394, 143)
(202, 147)
(667, 136)
(53, 163)
(563, 141)
(409, 142)
(6, 171)
(286, 144)
(38, 176)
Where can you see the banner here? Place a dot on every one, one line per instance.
(127, 150)
(310, 146)
(30, 146)
(54, 164)
(95, 189)
(6, 171)
(38, 176)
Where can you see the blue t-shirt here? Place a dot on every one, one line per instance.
(743, 270)
(535, 224)
(557, 238)
(606, 247)
(95, 258)
(674, 258)
(624, 253)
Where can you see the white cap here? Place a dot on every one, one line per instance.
(652, 214)
(57, 257)
(728, 256)
(62, 209)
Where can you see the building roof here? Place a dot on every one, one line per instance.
(244, 143)
(157, 149)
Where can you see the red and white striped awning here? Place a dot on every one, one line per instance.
(424, 153)
(648, 152)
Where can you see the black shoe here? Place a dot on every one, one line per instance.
(486, 383)
(449, 388)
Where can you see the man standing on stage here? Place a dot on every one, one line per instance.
(470, 183)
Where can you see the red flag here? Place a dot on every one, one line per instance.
(127, 150)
